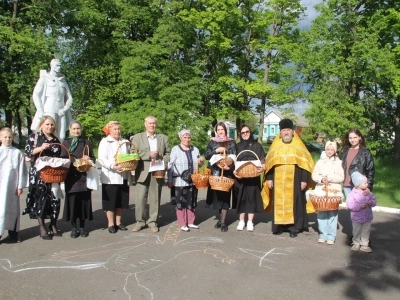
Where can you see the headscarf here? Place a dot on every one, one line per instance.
(183, 132)
(221, 139)
(106, 129)
(333, 144)
(250, 141)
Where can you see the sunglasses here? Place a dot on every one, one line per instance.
(245, 132)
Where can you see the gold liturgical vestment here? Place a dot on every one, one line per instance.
(283, 157)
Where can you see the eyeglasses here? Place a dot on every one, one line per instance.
(245, 132)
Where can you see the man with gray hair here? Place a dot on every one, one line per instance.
(151, 147)
(52, 97)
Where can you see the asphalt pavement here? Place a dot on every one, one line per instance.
(201, 264)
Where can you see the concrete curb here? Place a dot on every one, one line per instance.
(379, 209)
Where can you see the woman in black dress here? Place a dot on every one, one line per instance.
(247, 191)
(78, 200)
(218, 145)
(43, 199)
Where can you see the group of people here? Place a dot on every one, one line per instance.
(288, 171)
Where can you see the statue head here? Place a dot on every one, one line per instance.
(55, 65)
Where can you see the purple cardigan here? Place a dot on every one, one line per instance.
(355, 200)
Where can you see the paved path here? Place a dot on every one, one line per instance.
(201, 264)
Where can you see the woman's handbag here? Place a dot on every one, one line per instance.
(186, 175)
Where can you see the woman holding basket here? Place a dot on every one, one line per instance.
(114, 179)
(219, 145)
(78, 200)
(184, 158)
(247, 191)
(43, 199)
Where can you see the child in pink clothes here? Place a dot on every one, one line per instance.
(360, 205)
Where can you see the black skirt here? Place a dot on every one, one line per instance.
(115, 196)
(78, 206)
(185, 197)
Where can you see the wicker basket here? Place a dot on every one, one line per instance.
(326, 203)
(56, 175)
(221, 183)
(83, 165)
(248, 169)
(128, 161)
(160, 173)
(225, 161)
(200, 178)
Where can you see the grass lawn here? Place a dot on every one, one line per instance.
(387, 182)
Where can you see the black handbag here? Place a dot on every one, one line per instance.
(185, 175)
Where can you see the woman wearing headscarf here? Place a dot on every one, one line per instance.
(247, 191)
(219, 145)
(184, 157)
(114, 180)
(43, 199)
(78, 200)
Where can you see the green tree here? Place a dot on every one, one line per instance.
(347, 62)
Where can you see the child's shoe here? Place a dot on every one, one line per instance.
(366, 249)
(240, 226)
(250, 226)
(330, 242)
(355, 248)
(321, 240)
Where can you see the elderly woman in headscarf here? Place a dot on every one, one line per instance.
(247, 191)
(78, 199)
(328, 172)
(219, 145)
(114, 179)
(184, 158)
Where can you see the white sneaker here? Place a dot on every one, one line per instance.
(250, 226)
(193, 226)
(185, 228)
(240, 226)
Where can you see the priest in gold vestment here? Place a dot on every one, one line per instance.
(288, 168)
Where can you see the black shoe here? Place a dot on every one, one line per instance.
(12, 239)
(278, 232)
(74, 233)
(122, 227)
(293, 234)
(59, 234)
(46, 237)
(224, 228)
(84, 233)
(112, 229)
(218, 225)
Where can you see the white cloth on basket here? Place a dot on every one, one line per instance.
(217, 157)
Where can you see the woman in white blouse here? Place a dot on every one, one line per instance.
(114, 180)
(184, 157)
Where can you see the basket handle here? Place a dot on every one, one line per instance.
(69, 155)
(247, 151)
(120, 147)
(84, 149)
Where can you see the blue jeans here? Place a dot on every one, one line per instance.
(327, 224)
(346, 192)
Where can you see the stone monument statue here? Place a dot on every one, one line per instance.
(53, 98)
